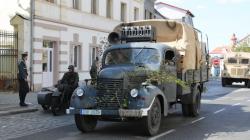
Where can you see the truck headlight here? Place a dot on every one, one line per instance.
(134, 93)
(79, 92)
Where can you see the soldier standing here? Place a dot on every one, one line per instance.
(93, 70)
(22, 78)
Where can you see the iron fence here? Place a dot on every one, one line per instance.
(8, 60)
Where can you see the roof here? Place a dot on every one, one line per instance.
(19, 15)
(176, 8)
(248, 36)
(221, 50)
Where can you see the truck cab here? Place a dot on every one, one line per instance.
(236, 68)
(123, 92)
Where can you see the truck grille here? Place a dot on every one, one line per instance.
(110, 93)
(237, 71)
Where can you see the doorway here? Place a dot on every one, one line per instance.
(47, 64)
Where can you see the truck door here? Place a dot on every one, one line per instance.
(169, 88)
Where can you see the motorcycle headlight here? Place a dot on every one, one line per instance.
(79, 92)
(134, 93)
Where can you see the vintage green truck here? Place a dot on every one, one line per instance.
(138, 48)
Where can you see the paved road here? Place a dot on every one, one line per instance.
(225, 115)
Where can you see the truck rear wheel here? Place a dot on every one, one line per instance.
(85, 123)
(248, 84)
(192, 109)
(153, 121)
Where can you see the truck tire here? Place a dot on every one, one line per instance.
(85, 123)
(152, 122)
(223, 82)
(248, 84)
(192, 109)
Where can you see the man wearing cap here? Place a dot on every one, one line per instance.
(70, 81)
(22, 78)
(93, 70)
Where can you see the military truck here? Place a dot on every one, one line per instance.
(236, 68)
(151, 45)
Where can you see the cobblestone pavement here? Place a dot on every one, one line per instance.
(13, 126)
(28, 123)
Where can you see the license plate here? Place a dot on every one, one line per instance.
(130, 113)
(90, 112)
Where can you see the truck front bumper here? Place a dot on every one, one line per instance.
(119, 112)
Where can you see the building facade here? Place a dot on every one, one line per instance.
(71, 32)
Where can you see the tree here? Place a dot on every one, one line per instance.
(243, 48)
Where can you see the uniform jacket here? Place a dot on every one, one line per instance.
(70, 78)
(22, 68)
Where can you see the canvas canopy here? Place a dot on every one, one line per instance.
(181, 36)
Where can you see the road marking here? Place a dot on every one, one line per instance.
(198, 120)
(236, 104)
(162, 134)
(218, 111)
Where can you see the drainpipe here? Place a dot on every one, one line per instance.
(32, 2)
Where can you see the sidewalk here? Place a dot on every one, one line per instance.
(9, 103)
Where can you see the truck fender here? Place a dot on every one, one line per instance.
(151, 92)
(190, 98)
(88, 100)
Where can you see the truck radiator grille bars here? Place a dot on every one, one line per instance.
(110, 93)
(238, 71)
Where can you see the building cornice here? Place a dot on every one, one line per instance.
(71, 24)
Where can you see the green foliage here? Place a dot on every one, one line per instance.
(242, 48)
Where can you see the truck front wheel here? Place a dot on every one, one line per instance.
(153, 121)
(223, 82)
(85, 123)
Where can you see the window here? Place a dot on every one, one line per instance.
(136, 13)
(94, 6)
(109, 8)
(150, 15)
(52, 1)
(123, 12)
(76, 4)
(145, 14)
(76, 56)
(132, 56)
(232, 60)
(244, 61)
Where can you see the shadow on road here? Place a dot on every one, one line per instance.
(233, 119)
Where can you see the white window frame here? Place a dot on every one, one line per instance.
(109, 8)
(123, 12)
(136, 13)
(94, 7)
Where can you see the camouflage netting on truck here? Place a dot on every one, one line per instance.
(181, 36)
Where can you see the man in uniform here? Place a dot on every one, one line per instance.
(93, 70)
(70, 82)
(22, 78)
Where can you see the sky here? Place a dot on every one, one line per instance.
(8, 8)
(219, 19)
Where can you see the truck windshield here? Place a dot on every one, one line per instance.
(232, 60)
(132, 56)
(244, 61)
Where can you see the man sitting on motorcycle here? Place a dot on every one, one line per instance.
(69, 83)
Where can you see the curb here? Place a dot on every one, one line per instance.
(18, 111)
